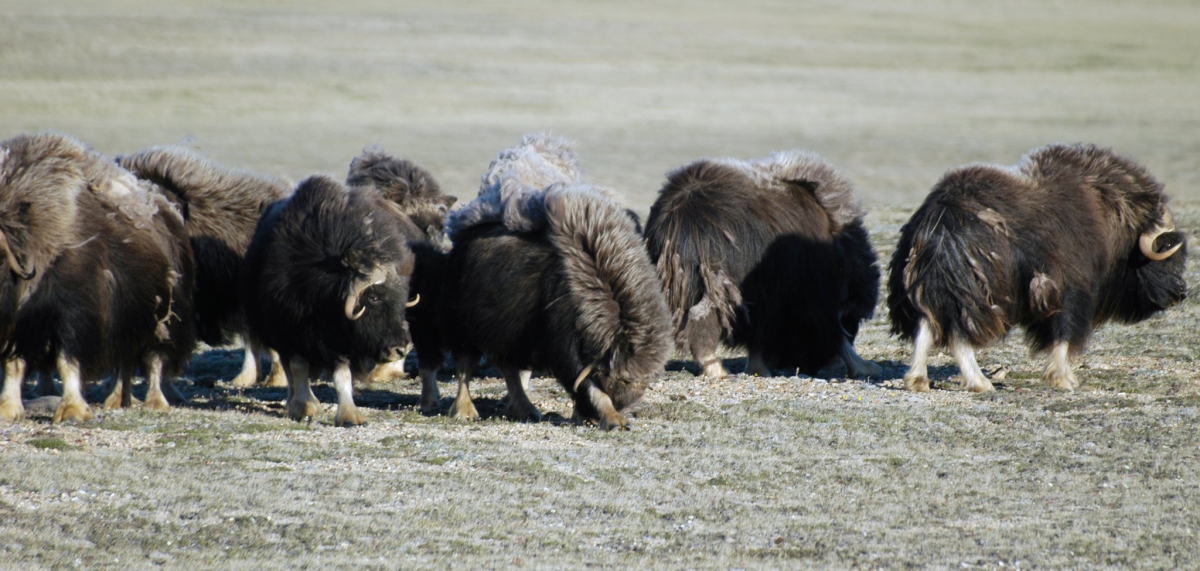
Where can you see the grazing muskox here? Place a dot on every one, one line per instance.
(326, 279)
(769, 254)
(1069, 238)
(220, 207)
(550, 273)
(99, 274)
(418, 200)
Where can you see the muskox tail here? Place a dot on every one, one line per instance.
(948, 267)
(622, 318)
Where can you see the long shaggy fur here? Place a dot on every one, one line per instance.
(307, 254)
(221, 207)
(1050, 244)
(769, 253)
(113, 268)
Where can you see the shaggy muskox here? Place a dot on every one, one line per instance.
(550, 273)
(99, 274)
(326, 279)
(220, 207)
(1069, 238)
(769, 254)
(418, 200)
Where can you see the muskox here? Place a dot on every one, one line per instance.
(552, 276)
(769, 254)
(1069, 238)
(326, 279)
(416, 197)
(99, 274)
(220, 207)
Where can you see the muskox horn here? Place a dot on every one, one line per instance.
(13, 263)
(415, 301)
(586, 371)
(378, 275)
(1146, 241)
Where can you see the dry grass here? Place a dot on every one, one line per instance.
(782, 472)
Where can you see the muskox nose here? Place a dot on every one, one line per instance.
(395, 353)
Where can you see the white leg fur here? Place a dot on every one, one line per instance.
(1058, 373)
(713, 368)
(277, 377)
(917, 377)
(387, 372)
(463, 407)
(856, 366)
(973, 378)
(72, 407)
(155, 399)
(302, 403)
(520, 408)
(525, 375)
(430, 395)
(248, 376)
(347, 412)
(609, 417)
(11, 407)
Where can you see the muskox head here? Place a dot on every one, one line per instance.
(373, 304)
(1157, 261)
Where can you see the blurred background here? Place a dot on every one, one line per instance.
(892, 93)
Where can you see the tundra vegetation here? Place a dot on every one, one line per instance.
(750, 472)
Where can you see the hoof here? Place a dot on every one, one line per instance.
(429, 405)
(157, 402)
(1060, 380)
(113, 402)
(461, 411)
(715, 371)
(387, 372)
(982, 386)
(276, 379)
(245, 379)
(348, 416)
(527, 413)
(12, 411)
(918, 384)
(77, 411)
(865, 370)
(300, 410)
(614, 421)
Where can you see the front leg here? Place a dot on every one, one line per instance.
(463, 408)
(1058, 373)
(11, 407)
(609, 417)
(520, 408)
(155, 399)
(73, 406)
(973, 378)
(343, 381)
(302, 403)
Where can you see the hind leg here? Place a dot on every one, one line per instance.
(73, 406)
(302, 403)
(155, 399)
(248, 376)
(917, 377)
(973, 378)
(463, 407)
(343, 381)
(704, 337)
(277, 378)
(1058, 373)
(11, 407)
(856, 366)
(428, 363)
(520, 408)
(122, 390)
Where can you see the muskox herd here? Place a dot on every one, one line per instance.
(123, 266)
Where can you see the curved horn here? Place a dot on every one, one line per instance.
(13, 263)
(1146, 241)
(415, 301)
(378, 275)
(586, 371)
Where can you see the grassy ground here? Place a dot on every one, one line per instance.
(780, 472)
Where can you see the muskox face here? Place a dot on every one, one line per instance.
(1157, 262)
(374, 304)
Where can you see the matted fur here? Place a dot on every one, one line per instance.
(1050, 244)
(622, 314)
(769, 253)
(413, 190)
(512, 190)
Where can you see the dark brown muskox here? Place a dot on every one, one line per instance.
(1069, 238)
(552, 277)
(770, 255)
(417, 198)
(98, 274)
(220, 207)
(326, 279)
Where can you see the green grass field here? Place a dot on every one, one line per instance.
(749, 473)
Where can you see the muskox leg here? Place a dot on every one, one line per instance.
(856, 366)
(917, 377)
(277, 378)
(11, 407)
(302, 403)
(249, 373)
(602, 404)
(72, 407)
(704, 337)
(520, 408)
(430, 395)
(1058, 373)
(756, 365)
(387, 372)
(343, 381)
(121, 395)
(45, 386)
(973, 379)
(463, 407)
(155, 399)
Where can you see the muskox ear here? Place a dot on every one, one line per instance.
(808, 187)
(448, 201)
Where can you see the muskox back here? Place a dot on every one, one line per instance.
(768, 254)
(1054, 244)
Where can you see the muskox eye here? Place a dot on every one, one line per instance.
(373, 299)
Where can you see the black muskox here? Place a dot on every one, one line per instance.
(99, 274)
(1069, 238)
(326, 279)
(769, 254)
(555, 278)
(220, 207)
